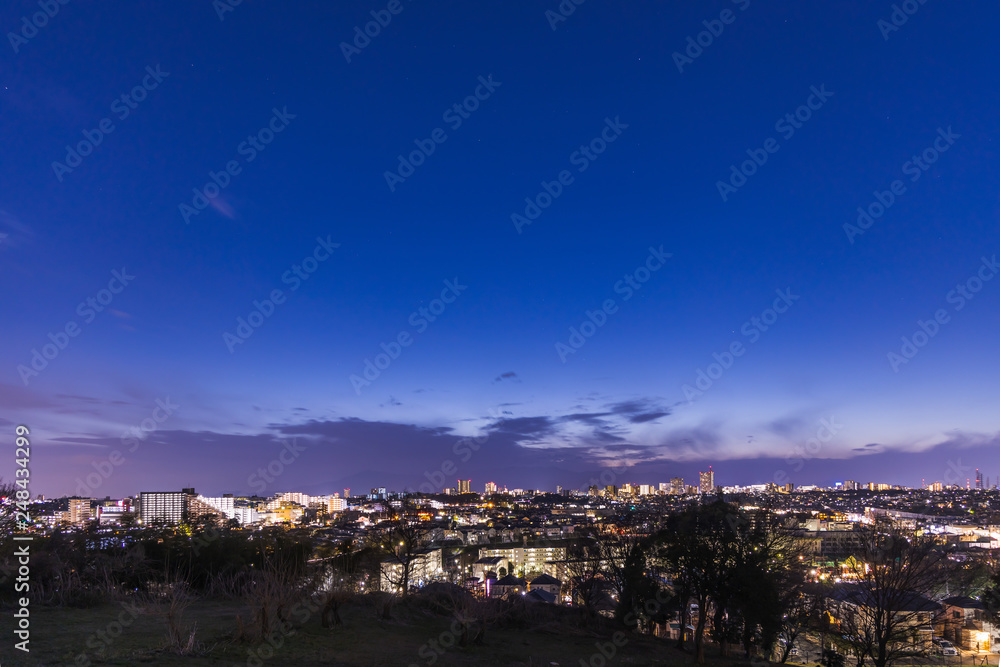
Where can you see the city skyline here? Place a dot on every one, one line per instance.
(702, 484)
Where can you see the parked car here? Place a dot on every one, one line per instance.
(782, 642)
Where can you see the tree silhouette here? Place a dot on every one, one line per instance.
(895, 570)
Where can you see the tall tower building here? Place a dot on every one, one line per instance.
(335, 504)
(706, 481)
(79, 511)
(465, 486)
(491, 488)
(677, 486)
(162, 507)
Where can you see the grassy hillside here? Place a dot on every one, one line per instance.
(82, 636)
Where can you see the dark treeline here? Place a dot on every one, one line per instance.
(102, 563)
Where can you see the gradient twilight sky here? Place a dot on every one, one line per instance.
(488, 365)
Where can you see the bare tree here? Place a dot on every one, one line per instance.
(271, 591)
(342, 579)
(613, 546)
(585, 580)
(401, 541)
(176, 600)
(895, 571)
(802, 610)
(690, 550)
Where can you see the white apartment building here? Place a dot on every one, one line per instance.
(526, 559)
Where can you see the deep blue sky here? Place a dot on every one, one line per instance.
(489, 364)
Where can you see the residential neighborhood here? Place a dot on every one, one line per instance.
(880, 576)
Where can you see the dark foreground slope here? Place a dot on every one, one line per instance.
(417, 633)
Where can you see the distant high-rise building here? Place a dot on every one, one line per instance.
(79, 511)
(226, 505)
(335, 504)
(162, 507)
(706, 481)
(664, 487)
(677, 486)
(111, 511)
(559, 490)
(645, 489)
(491, 488)
(297, 497)
(465, 486)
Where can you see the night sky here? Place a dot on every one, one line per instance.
(595, 249)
